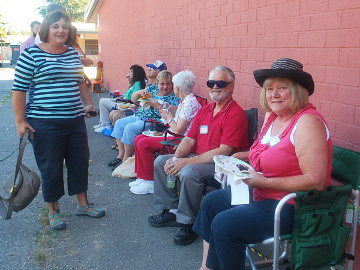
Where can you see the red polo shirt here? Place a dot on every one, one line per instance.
(229, 127)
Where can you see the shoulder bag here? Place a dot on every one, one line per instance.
(20, 189)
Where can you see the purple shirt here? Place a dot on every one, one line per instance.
(27, 43)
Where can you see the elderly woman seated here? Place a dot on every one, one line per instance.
(136, 77)
(292, 152)
(146, 147)
(126, 129)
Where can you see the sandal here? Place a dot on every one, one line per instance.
(90, 210)
(114, 162)
(55, 222)
(114, 146)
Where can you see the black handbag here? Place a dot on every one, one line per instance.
(20, 189)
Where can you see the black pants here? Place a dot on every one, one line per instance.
(56, 140)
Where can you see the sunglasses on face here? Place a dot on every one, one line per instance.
(220, 84)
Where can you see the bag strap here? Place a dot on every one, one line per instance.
(22, 145)
(14, 188)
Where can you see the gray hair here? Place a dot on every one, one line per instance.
(228, 71)
(185, 81)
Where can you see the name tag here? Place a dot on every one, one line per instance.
(203, 129)
(47, 59)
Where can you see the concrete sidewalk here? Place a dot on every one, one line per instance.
(123, 239)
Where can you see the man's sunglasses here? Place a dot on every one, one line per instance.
(220, 84)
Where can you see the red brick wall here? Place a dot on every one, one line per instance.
(244, 35)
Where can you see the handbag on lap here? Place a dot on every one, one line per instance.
(21, 188)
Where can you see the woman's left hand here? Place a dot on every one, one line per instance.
(257, 180)
(88, 109)
(166, 115)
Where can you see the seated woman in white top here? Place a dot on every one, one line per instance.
(146, 147)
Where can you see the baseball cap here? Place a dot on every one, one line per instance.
(158, 64)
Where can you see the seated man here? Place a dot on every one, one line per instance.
(136, 79)
(219, 128)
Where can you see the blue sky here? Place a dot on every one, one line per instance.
(20, 13)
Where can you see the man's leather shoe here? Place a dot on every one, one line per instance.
(185, 236)
(165, 219)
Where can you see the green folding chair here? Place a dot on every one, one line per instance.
(320, 234)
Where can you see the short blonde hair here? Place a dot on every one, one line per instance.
(164, 75)
(299, 95)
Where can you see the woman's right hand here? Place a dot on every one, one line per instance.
(241, 155)
(143, 93)
(21, 128)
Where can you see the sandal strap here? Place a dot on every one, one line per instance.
(115, 161)
(94, 212)
(55, 219)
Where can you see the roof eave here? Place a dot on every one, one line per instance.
(92, 10)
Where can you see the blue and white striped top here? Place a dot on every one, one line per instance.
(53, 82)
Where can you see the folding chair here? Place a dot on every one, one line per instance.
(202, 100)
(319, 234)
(170, 145)
(253, 118)
(155, 125)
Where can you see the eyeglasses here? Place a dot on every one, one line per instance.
(220, 84)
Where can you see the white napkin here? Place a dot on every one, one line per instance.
(239, 190)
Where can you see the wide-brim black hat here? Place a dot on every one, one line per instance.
(286, 68)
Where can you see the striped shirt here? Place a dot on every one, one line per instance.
(53, 82)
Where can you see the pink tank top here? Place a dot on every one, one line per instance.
(281, 160)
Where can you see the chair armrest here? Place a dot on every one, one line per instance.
(278, 209)
(172, 142)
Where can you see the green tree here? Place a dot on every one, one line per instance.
(74, 8)
(2, 28)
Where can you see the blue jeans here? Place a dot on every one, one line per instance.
(127, 128)
(229, 228)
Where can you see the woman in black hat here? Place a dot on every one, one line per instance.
(292, 152)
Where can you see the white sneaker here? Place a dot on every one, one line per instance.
(137, 182)
(144, 188)
(97, 126)
(100, 129)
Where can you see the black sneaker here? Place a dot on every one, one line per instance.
(186, 235)
(165, 219)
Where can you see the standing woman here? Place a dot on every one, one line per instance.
(55, 114)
